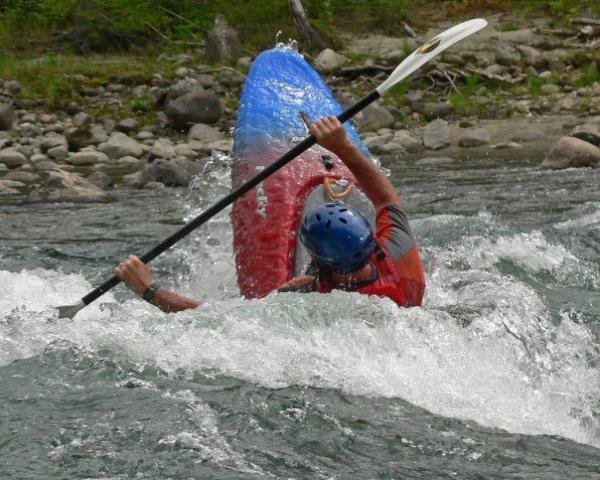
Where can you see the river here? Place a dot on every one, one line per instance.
(495, 377)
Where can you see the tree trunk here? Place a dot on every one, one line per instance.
(308, 33)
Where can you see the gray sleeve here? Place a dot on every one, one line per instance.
(394, 232)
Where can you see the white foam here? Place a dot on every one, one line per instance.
(510, 367)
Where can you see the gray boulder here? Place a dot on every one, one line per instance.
(531, 56)
(199, 106)
(174, 173)
(21, 176)
(571, 152)
(120, 145)
(101, 180)
(127, 125)
(46, 166)
(63, 186)
(222, 42)
(550, 89)
(87, 157)
(438, 110)
(475, 138)
(329, 61)
(53, 140)
(13, 87)
(162, 148)
(5, 189)
(507, 55)
(7, 116)
(205, 134)
(372, 118)
(230, 77)
(12, 158)
(436, 134)
(58, 153)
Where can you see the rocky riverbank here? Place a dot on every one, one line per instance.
(533, 88)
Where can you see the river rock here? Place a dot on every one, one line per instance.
(438, 110)
(222, 42)
(46, 166)
(101, 180)
(86, 135)
(29, 130)
(7, 116)
(436, 134)
(6, 190)
(21, 176)
(588, 132)
(12, 158)
(87, 157)
(205, 133)
(372, 118)
(549, 89)
(475, 138)
(153, 186)
(130, 162)
(174, 173)
(127, 125)
(230, 77)
(571, 152)
(58, 153)
(199, 106)
(244, 62)
(53, 140)
(13, 87)
(506, 55)
(162, 148)
(531, 56)
(120, 145)
(82, 118)
(184, 150)
(63, 186)
(329, 61)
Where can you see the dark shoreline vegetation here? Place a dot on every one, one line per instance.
(54, 48)
(141, 93)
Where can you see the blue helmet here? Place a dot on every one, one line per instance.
(338, 237)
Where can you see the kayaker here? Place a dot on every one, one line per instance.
(346, 253)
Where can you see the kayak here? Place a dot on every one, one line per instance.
(281, 94)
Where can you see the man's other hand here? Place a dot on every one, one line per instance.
(135, 274)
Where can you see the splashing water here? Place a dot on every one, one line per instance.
(505, 337)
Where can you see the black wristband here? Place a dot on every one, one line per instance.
(150, 292)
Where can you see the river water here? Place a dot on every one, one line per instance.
(496, 376)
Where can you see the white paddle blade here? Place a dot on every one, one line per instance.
(429, 50)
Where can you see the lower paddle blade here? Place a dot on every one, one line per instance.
(69, 311)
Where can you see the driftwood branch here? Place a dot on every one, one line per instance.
(362, 69)
(585, 21)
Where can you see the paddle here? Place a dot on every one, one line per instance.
(411, 63)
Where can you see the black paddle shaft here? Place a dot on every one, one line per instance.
(230, 198)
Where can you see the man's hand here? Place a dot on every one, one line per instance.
(330, 134)
(135, 274)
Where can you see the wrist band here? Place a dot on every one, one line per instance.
(150, 292)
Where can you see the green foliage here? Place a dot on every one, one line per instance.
(141, 105)
(508, 27)
(589, 75)
(534, 85)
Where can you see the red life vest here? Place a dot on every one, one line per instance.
(386, 284)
